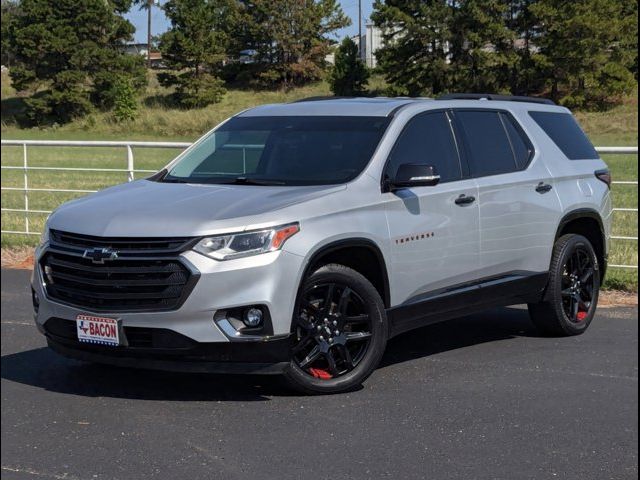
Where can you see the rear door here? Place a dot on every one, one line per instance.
(518, 207)
(434, 235)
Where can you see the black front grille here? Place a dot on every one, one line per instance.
(132, 280)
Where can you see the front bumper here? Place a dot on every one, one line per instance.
(161, 349)
(270, 280)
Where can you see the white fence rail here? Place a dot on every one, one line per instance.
(130, 170)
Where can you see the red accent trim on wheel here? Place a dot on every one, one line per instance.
(321, 374)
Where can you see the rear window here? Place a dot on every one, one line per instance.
(565, 132)
(490, 150)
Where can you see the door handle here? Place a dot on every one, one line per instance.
(543, 187)
(465, 200)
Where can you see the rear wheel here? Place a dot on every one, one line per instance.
(572, 294)
(340, 329)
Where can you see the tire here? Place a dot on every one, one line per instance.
(569, 307)
(335, 370)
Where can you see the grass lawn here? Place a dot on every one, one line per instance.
(156, 121)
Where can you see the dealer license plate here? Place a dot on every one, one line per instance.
(100, 330)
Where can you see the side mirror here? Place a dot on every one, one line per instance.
(412, 175)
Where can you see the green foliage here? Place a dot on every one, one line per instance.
(416, 35)
(290, 37)
(583, 53)
(580, 55)
(349, 75)
(8, 10)
(68, 52)
(197, 91)
(196, 46)
(125, 106)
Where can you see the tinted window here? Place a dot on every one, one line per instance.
(490, 151)
(427, 140)
(521, 146)
(284, 150)
(564, 130)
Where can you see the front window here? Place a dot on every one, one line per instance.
(282, 150)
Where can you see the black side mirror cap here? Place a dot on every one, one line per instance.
(413, 175)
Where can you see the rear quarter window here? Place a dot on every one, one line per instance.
(565, 132)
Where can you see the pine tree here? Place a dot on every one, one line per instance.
(626, 51)
(291, 38)
(436, 46)
(482, 46)
(9, 9)
(580, 50)
(417, 37)
(523, 77)
(349, 74)
(196, 47)
(70, 52)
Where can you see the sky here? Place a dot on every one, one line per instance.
(159, 22)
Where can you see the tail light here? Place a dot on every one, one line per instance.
(604, 176)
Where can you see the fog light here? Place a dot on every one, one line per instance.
(252, 317)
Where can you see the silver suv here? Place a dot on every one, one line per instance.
(297, 239)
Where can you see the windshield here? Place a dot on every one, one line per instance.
(282, 150)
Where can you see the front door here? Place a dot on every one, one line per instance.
(434, 231)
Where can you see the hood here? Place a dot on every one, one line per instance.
(152, 209)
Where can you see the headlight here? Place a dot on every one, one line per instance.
(236, 245)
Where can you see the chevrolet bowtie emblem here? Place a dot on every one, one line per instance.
(99, 255)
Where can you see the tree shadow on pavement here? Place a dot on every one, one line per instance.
(42, 368)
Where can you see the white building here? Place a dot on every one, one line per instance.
(372, 43)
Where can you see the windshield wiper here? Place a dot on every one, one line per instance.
(229, 181)
(254, 181)
(173, 180)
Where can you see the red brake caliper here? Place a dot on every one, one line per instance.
(581, 316)
(321, 374)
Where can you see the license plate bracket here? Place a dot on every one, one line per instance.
(99, 330)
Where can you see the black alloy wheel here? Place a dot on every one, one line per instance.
(333, 331)
(570, 299)
(340, 331)
(578, 285)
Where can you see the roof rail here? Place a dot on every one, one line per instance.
(493, 96)
(330, 97)
(320, 98)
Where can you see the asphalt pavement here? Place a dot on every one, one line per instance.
(483, 397)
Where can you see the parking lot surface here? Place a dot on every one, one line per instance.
(483, 397)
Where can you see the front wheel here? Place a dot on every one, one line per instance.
(340, 329)
(572, 293)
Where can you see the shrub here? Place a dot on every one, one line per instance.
(350, 75)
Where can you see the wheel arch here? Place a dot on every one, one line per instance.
(361, 254)
(588, 223)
